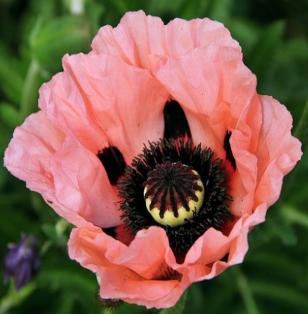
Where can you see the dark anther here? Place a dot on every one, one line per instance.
(176, 124)
(113, 163)
(228, 150)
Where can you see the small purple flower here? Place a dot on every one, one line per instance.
(22, 262)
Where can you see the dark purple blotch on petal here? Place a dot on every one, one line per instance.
(176, 124)
(114, 163)
(227, 147)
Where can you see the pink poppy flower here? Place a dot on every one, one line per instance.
(157, 147)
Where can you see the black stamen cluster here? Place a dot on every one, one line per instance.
(215, 209)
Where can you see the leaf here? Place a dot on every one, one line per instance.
(66, 34)
(14, 298)
(220, 10)
(11, 74)
(265, 48)
(9, 114)
(245, 32)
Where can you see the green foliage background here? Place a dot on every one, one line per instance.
(34, 35)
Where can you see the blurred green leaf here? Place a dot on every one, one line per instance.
(121, 5)
(14, 298)
(158, 6)
(295, 299)
(220, 10)
(293, 215)
(95, 12)
(265, 49)
(50, 232)
(245, 32)
(192, 9)
(9, 114)
(275, 227)
(81, 288)
(5, 137)
(11, 74)
(66, 34)
(56, 233)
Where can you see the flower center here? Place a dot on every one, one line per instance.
(173, 193)
(177, 186)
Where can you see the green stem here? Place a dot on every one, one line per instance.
(29, 91)
(178, 308)
(15, 298)
(293, 215)
(245, 291)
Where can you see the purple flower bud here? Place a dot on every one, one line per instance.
(22, 262)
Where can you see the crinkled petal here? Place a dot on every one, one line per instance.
(202, 82)
(82, 185)
(217, 93)
(143, 40)
(65, 106)
(118, 267)
(27, 156)
(275, 161)
(147, 263)
(126, 102)
(68, 176)
(204, 259)
(136, 38)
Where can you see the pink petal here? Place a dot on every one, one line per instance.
(202, 82)
(136, 38)
(127, 102)
(203, 260)
(147, 263)
(143, 40)
(275, 161)
(82, 186)
(65, 106)
(28, 158)
(115, 264)
(184, 36)
(217, 93)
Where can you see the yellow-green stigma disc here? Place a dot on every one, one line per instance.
(173, 193)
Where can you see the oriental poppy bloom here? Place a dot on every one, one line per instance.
(157, 147)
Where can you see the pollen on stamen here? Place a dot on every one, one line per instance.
(173, 193)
